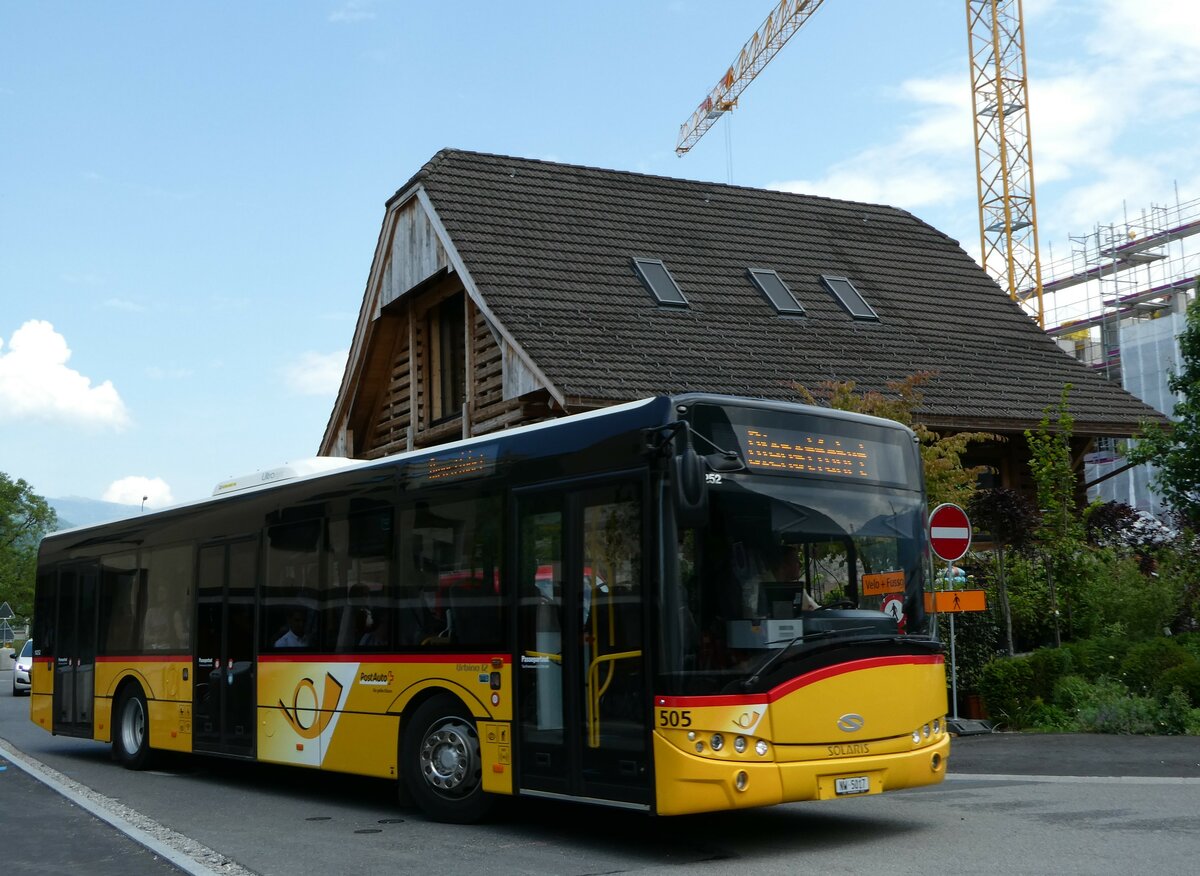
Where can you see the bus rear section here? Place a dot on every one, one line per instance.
(796, 660)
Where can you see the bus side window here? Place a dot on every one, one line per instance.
(118, 604)
(167, 577)
(291, 594)
(450, 581)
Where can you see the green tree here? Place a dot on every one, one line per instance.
(946, 478)
(1010, 520)
(24, 518)
(1175, 450)
(1060, 535)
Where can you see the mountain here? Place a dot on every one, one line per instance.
(78, 511)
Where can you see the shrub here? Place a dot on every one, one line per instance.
(1185, 678)
(1049, 665)
(1144, 664)
(1049, 718)
(1072, 692)
(1175, 716)
(1098, 657)
(1005, 685)
(1191, 642)
(1112, 589)
(1113, 709)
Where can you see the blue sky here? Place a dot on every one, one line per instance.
(190, 194)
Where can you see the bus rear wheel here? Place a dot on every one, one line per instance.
(441, 762)
(131, 729)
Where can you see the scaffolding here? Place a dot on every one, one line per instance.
(1118, 304)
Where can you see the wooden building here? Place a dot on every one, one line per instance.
(505, 291)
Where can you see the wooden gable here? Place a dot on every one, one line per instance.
(424, 338)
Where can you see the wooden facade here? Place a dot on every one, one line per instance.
(408, 360)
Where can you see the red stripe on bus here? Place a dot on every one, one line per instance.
(145, 658)
(782, 690)
(853, 666)
(383, 658)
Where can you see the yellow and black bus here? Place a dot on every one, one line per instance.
(682, 604)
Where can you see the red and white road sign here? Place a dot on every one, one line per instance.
(949, 532)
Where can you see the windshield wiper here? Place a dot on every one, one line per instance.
(778, 656)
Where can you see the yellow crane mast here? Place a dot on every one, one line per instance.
(783, 21)
(1008, 233)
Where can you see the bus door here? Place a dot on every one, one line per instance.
(75, 651)
(583, 687)
(223, 689)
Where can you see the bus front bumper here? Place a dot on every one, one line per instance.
(686, 783)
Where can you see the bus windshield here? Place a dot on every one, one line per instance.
(794, 562)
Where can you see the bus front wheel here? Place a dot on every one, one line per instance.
(131, 729)
(442, 767)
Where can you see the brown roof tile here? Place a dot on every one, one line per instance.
(549, 247)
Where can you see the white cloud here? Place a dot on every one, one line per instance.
(352, 11)
(125, 304)
(36, 383)
(316, 373)
(1108, 123)
(133, 489)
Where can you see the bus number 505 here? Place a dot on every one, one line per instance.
(674, 717)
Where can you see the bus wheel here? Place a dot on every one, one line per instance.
(441, 765)
(131, 729)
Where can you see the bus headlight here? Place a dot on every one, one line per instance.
(717, 742)
(925, 731)
(760, 748)
(937, 726)
(739, 744)
(916, 737)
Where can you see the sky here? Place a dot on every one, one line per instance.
(191, 193)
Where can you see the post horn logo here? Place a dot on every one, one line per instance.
(746, 720)
(310, 721)
(851, 722)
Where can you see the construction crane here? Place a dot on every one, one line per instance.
(1008, 235)
(1003, 149)
(785, 20)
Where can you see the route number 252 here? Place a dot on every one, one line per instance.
(674, 717)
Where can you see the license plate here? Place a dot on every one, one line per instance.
(854, 785)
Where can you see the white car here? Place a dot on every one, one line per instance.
(24, 662)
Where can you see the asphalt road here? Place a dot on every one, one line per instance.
(1013, 803)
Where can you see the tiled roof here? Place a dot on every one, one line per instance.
(549, 247)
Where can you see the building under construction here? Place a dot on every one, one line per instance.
(1117, 302)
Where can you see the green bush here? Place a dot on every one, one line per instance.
(1048, 718)
(1185, 678)
(1098, 657)
(1175, 716)
(1049, 665)
(1144, 664)
(1113, 709)
(1113, 590)
(1191, 642)
(1006, 686)
(1073, 692)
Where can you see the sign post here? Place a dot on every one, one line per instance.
(949, 538)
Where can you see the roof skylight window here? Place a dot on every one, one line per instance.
(843, 290)
(776, 291)
(660, 282)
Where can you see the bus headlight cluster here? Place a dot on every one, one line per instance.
(927, 731)
(741, 744)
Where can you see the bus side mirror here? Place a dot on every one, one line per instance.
(689, 490)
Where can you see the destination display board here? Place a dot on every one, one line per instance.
(779, 450)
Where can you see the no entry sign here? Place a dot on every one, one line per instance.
(949, 532)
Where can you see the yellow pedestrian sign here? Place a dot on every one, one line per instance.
(956, 600)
